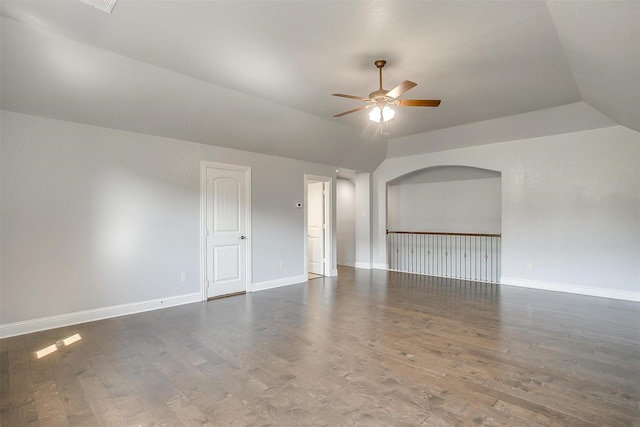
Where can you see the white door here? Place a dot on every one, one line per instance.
(226, 228)
(315, 227)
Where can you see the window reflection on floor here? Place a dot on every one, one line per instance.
(54, 347)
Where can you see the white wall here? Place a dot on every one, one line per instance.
(346, 222)
(95, 217)
(570, 208)
(363, 220)
(465, 206)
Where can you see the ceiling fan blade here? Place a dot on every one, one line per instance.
(419, 102)
(364, 107)
(350, 96)
(401, 88)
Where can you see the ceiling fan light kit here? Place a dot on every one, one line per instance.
(381, 115)
(380, 101)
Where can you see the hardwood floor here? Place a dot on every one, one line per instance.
(368, 348)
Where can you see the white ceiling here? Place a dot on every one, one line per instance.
(257, 75)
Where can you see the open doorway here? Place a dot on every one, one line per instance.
(446, 221)
(317, 226)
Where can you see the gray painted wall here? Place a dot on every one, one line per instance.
(346, 221)
(456, 206)
(363, 220)
(570, 207)
(95, 217)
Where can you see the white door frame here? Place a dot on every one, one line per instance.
(204, 165)
(328, 218)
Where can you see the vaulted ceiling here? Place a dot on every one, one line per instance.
(257, 75)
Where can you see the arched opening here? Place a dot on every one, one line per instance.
(445, 221)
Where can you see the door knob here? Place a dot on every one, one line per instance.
(243, 237)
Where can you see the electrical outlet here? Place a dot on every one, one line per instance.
(184, 278)
(281, 265)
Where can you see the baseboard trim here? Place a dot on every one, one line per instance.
(571, 289)
(59, 321)
(270, 284)
(365, 265)
(380, 266)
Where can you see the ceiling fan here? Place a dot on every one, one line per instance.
(380, 101)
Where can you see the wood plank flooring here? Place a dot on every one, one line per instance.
(367, 348)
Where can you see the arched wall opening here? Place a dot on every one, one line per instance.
(445, 221)
(456, 199)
